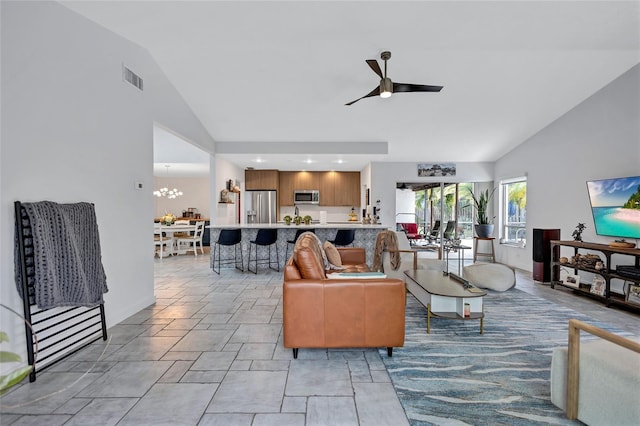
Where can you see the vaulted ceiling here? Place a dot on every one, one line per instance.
(274, 74)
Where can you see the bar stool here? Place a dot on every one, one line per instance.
(490, 254)
(228, 237)
(265, 237)
(293, 242)
(344, 237)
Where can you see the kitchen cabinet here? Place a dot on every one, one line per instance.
(260, 180)
(285, 194)
(306, 180)
(327, 188)
(336, 188)
(290, 181)
(346, 189)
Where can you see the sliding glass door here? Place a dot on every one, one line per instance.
(436, 205)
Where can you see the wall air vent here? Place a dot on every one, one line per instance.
(131, 77)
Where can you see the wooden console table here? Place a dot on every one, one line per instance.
(608, 272)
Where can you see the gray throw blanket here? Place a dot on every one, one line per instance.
(67, 258)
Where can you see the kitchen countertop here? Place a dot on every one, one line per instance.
(329, 225)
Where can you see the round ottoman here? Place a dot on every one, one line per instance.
(493, 276)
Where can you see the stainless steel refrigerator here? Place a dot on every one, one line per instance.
(261, 206)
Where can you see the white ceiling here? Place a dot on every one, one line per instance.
(182, 158)
(274, 73)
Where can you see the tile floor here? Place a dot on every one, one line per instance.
(210, 352)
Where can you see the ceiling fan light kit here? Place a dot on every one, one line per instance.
(387, 87)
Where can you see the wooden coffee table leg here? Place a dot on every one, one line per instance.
(482, 325)
(428, 318)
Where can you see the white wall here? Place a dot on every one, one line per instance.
(385, 175)
(599, 138)
(405, 206)
(72, 130)
(226, 214)
(196, 192)
(365, 182)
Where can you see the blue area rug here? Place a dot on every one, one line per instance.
(457, 376)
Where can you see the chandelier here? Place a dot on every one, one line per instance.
(166, 192)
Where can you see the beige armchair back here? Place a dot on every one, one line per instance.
(408, 259)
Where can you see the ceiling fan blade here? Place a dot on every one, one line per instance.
(375, 67)
(405, 87)
(374, 92)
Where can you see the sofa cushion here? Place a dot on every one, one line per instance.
(308, 265)
(307, 255)
(332, 253)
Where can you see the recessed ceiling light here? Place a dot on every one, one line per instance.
(339, 161)
(308, 161)
(258, 160)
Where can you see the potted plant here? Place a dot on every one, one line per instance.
(287, 219)
(307, 219)
(16, 375)
(484, 224)
(297, 220)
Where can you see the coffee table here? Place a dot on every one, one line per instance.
(445, 297)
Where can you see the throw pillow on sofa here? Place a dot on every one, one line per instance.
(333, 256)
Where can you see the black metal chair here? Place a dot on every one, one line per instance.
(434, 233)
(293, 242)
(450, 230)
(228, 237)
(267, 238)
(344, 237)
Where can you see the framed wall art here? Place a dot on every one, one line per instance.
(436, 169)
(599, 285)
(569, 279)
(633, 293)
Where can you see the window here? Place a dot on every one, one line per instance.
(513, 211)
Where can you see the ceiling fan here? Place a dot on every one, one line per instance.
(387, 87)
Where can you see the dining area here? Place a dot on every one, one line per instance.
(178, 237)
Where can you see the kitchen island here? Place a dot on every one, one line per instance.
(365, 236)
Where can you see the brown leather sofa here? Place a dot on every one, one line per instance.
(339, 313)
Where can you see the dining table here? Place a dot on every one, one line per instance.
(170, 230)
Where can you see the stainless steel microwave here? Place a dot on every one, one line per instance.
(306, 196)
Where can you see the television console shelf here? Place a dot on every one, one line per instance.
(608, 272)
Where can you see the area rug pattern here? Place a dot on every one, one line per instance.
(456, 376)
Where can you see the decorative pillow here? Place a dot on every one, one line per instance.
(332, 254)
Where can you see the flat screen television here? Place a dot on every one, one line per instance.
(615, 204)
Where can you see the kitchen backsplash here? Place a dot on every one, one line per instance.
(334, 214)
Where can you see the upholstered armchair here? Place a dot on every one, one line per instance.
(397, 260)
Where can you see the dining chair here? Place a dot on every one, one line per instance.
(161, 241)
(190, 242)
(182, 234)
